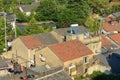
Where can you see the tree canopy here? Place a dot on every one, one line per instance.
(94, 24)
(98, 6)
(63, 11)
(2, 33)
(1, 5)
(80, 8)
(46, 9)
(32, 27)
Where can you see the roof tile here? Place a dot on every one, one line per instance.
(109, 27)
(70, 50)
(31, 42)
(116, 38)
(105, 41)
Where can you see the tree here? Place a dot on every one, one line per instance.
(32, 28)
(1, 6)
(19, 32)
(98, 6)
(2, 44)
(26, 1)
(9, 5)
(113, 9)
(65, 17)
(21, 16)
(46, 9)
(2, 33)
(115, 0)
(80, 8)
(45, 28)
(94, 24)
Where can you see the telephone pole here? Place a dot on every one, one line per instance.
(5, 31)
(14, 26)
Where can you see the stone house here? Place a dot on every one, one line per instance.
(27, 9)
(82, 34)
(25, 47)
(74, 56)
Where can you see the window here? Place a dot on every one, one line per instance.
(85, 70)
(85, 59)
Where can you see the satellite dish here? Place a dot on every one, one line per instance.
(42, 58)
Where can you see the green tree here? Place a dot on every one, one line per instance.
(21, 16)
(25, 2)
(46, 10)
(19, 32)
(115, 0)
(45, 28)
(80, 8)
(94, 24)
(65, 17)
(2, 43)
(1, 5)
(32, 28)
(2, 33)
(98, 6)
(9, 5)
(113, 9)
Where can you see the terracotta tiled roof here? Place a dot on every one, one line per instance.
(114, 3)
(116, 38)
(70, 50)
(31, 42)
(109, 27)
(105, 41)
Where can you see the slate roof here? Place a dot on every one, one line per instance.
(2, 63)
(31, 42)
(70, 50)
(117, 14)
(62, 31)
(10, 16)
(83, 29)
(105, 41)
(29, 8)
(66, 31)
(102, 59)
(116, 37)
(59, 76)
(109, 27)
(26, 8)
(46, 38)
